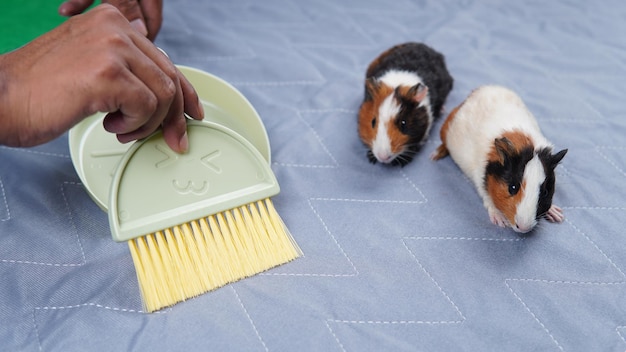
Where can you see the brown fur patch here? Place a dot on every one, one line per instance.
(398, 139)
(377, 60)
(518, 139)
(498, 189)
(404, 91)
(442, 150)
(499, 192)
(369, 110)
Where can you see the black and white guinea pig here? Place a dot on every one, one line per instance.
(405, 89)
(497, 143)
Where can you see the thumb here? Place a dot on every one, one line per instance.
(74, 7)
(132, 11)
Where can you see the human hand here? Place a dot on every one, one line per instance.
(145, 16)
(93, 62)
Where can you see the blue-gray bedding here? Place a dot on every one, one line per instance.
(395, 259)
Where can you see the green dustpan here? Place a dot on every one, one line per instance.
(96, 153)
(155, 188)
(199, 220)
(193, 221)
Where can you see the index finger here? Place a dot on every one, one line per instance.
(153, 14)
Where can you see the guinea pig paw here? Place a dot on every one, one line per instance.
(497, 218)
(555, 214)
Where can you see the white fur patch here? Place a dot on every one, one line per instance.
(381, 147)
(395, 78)
(534, 175)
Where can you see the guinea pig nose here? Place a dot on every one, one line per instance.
(384, 158)
(523, 228)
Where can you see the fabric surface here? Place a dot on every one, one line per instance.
(395, 259)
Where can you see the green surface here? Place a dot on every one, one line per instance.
(21, 21)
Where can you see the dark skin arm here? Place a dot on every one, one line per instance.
(94, 62)
(145, 16)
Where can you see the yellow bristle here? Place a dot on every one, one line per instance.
(193, 258)
(203, 259)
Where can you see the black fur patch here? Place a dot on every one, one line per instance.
(371, 157)
(412, 121)
(546, 191)
(429, 64)
(511, 171)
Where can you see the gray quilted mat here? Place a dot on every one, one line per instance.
(395, 259)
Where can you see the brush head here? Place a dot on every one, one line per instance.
(154, 188)
(196, 257)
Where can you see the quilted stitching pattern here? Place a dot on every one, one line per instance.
(396, 259)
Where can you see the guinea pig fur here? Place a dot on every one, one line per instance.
(497, 143)
(405, 89)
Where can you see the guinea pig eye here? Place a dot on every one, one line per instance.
(513, 188)
(402, 126)
(374, 122)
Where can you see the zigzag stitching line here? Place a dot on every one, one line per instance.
(447, 238)
(368, 200)
(438, 287)
(506, 282)
(319, 139)
(249, 56)
(619, 333)
(596, 247)
(306, 166)
(278, 83)
(94, 305)
(611, 162)
(73, 224)
(6, 203)
(333, 237)
(402, 322)
(332, 332)
(398, 322)
(36, 152)
(414, 187)
(356, 271)
(256, 331)
(595, 208)
(317, 111)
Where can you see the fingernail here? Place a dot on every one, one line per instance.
(201, 109)
(139, 26)
(183, 144)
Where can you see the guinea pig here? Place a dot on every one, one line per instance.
(405, 89)
(497, 143)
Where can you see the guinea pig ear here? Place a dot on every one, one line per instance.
(418, 92)
(504, 147)
(556, 158)
(371, 86)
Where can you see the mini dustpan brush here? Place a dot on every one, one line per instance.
(197, 221)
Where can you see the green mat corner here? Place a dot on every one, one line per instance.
(22, 21)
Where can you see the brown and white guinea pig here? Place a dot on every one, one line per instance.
(405, 89)
(496, 142)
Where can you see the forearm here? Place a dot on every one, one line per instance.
(7, 133)
(16, 121)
